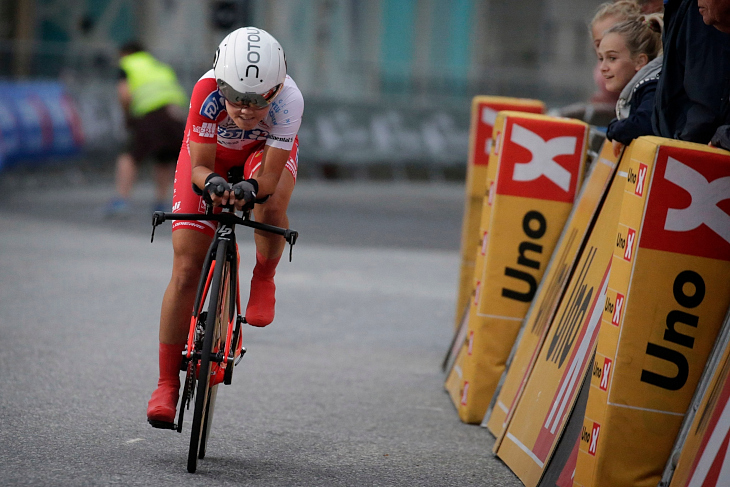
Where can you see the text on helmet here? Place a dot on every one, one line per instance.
(253, 57)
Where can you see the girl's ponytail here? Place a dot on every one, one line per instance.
(655, 22)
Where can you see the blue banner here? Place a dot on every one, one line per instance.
(38, 121)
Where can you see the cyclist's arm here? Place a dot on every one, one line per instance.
(272, 164)
(202, 164)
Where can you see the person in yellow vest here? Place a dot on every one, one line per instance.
(155, 107)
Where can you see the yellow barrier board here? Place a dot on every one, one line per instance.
(542, 311)
(539, 417)
(536, 169)
(704, 456)
(484, 111)
(668, 294)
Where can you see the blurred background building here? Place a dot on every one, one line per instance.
(385, 81)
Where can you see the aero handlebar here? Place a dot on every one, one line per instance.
(227, 218)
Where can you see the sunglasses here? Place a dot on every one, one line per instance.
(244, 100)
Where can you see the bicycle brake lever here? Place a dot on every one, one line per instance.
(157, 218)
(291, 238)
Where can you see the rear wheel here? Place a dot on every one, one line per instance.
(203, 414)
(228, 376)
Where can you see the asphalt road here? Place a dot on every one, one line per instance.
(344, 388)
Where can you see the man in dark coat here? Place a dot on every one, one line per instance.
(717, 14)
(692, 94)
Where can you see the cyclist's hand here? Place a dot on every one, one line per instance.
(217, 191)
(245, 193)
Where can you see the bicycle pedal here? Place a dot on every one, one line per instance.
(163, 425)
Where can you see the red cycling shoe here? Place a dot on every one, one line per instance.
(261, 302)
(163, 403)
(262, 299)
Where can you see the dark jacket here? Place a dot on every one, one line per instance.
(635, 105)
(639, 122)
(692, 94)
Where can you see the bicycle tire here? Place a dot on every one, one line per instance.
(224, 312)
(203, 386)
(208, 422)
(228, 376)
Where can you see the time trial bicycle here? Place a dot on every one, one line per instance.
(214, 343)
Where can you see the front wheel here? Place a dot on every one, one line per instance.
(203, 414)
(212, 394)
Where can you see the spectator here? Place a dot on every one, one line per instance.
(600, 107)
(630, 62)
(692, 93)
(154, 105)
(607, 15)
(717, 14)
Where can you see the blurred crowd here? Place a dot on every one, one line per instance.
(663, 68)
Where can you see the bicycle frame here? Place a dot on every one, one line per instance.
(225, 231)
(218, 366)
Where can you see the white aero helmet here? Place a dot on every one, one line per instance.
(249, 67)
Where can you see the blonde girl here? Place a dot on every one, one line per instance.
(607, 15)
(630, 57)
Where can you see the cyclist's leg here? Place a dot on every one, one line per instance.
(269, 247)
(190, 248)
(273, 212)
(190, 241)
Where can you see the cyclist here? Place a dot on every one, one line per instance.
(244, 115)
